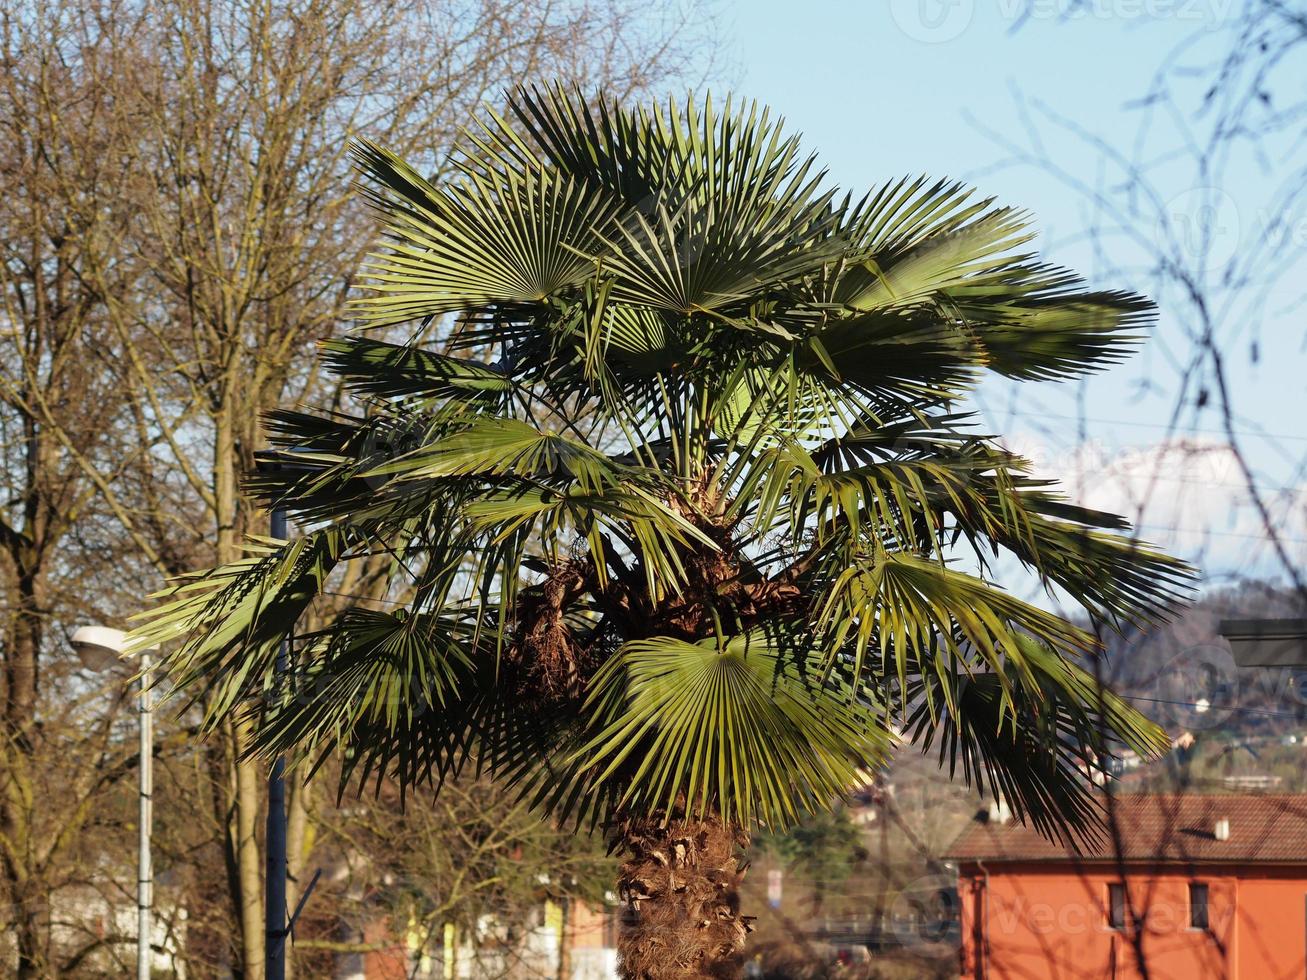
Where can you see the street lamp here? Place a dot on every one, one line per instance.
(99, 648)
(1267, 642)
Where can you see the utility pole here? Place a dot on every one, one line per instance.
(275, 867)
(276, 929)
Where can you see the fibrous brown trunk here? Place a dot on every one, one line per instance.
(680, 895)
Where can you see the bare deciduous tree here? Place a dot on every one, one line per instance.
(180, 231)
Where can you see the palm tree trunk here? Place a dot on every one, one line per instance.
(679, 887)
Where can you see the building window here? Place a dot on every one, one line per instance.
(1116, 906)
(1197, 906)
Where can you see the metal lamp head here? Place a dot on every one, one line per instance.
(99, 647)
(1267, 642)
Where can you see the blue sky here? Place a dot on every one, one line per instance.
(882, 89)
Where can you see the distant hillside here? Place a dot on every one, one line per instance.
(1184, 675)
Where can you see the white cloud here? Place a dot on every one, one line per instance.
(1190, 496)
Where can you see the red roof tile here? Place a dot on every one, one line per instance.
(1179, 828)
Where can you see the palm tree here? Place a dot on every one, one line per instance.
(682, 524)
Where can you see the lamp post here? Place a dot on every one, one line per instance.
(98, 648)
(275, 867)
(275, 929)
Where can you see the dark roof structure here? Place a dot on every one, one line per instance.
(1268, 828)
(1267, 642)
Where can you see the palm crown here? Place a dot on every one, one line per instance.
(684, 513)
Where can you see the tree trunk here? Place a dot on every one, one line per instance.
(564, 939)
(22, 660)
(249, 860)
(299, 842)
(19, 804)
(232, 521)
(29, 938)
(679, 887)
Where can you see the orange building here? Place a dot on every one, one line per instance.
(1198, 886)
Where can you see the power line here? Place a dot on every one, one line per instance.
(1218, 534)
(1190, 481)
(1215, 707)
(1180, 430)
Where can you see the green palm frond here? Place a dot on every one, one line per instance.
(619, 149)
(946, 260)
(1037, 742)
(753, 218)
(476, 244)
(901, 214)
(484, 726)
(685, 520)
(367, 669)
(908, 355)
(555, 518)
(1038, 322)
(372, 367)
(911, 483)
(929, 616)
(724, 723)
(223, 627)
(1017, 317)
(902, 499)
(502, 446)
